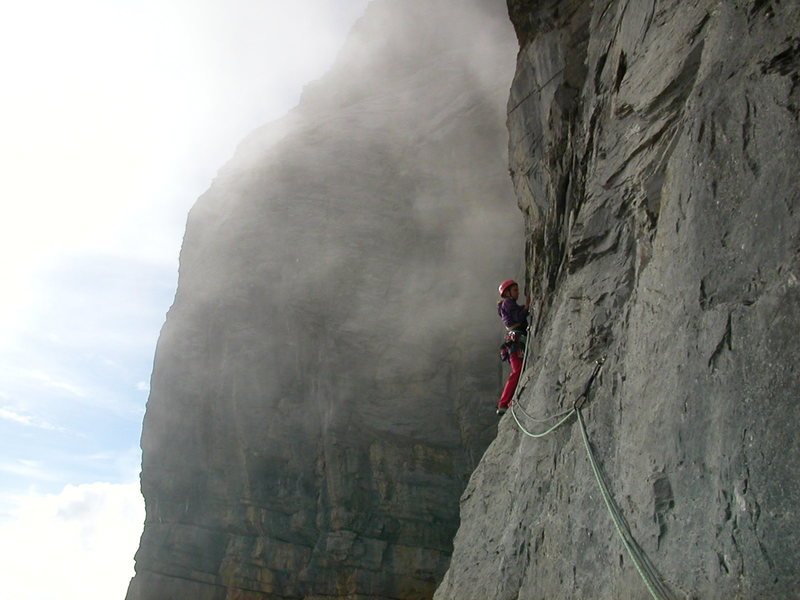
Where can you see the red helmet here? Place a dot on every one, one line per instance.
(505, 285)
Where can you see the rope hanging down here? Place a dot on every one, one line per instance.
(644, 567)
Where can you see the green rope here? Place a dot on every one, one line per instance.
(655, 587)
(515, 402)
(544, 419)
(518, 390)
(643, 566)
(646, 571)
(541, 435)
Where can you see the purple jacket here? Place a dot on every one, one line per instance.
(514, 316)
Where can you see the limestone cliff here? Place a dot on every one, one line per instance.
(654, 151)
(325, 380)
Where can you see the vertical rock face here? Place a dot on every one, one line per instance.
(654, 150)
(324, 383)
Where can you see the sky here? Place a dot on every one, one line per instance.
(115, 116)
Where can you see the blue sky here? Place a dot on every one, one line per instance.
(116, 115)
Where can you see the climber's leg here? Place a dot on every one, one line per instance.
(515, 360)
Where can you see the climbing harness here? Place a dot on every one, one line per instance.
(657, 589)
(514, 341)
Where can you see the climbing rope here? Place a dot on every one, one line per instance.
(541, 419)
(515, 405)
(569, 414)
(514, 401)
(646, 571)
(643, 566)
(524, 366)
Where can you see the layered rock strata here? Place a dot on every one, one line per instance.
(324, 382)
(654, 150)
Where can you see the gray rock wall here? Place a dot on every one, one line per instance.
(325, 381)
(654, 151)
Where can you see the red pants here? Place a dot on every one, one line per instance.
(511, 384)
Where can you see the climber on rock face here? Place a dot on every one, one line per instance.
(515, 318)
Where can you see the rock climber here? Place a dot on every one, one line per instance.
(515, 318)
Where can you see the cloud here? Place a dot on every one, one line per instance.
(51, 382)
(30, 469)
(9, 415)
(143, 386)
(82, 538)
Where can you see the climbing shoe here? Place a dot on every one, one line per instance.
(501, 412)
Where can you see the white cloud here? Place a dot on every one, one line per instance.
(78, 544)
(51, 382)
(8, 414)
(30, 469)
(143, 386)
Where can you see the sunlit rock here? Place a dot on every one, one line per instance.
(655, 151)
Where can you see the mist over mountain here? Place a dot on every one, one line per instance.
(321, 417)
(325, 380)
